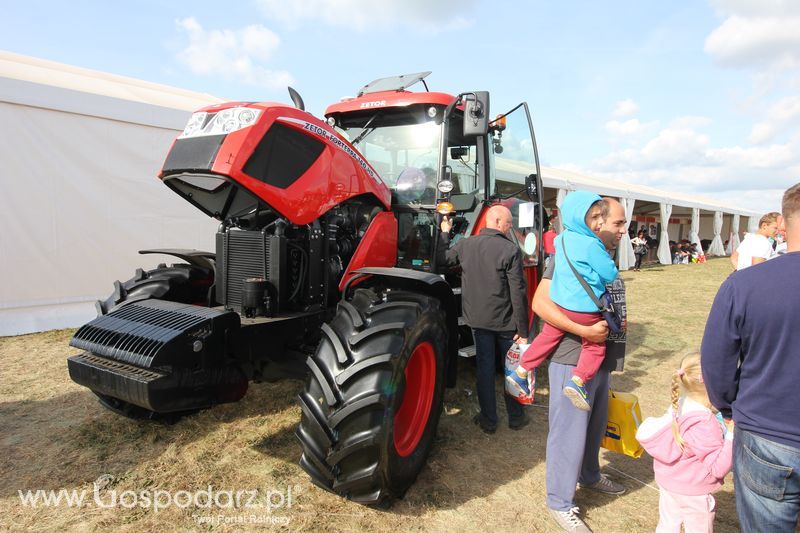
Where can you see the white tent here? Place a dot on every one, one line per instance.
(636, 199)
(80, 152)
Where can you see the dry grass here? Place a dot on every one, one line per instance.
(56, 436)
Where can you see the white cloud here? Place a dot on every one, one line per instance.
(232, 54)
(362, 15)
(678, 158)
(775, 157)
(630, 128)
(690, 122)
(743, 41)
(783, 115)
(759, 200)
(625, 108)
(763, 37)
(675, 147)
(757, 7)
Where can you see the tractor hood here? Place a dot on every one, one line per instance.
(232, 156)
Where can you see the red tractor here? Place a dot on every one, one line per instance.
(325, 267)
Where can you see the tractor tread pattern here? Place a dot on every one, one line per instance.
(330, 396)
(353, 312)
(341, 354)
(352, 370)
(180, 282)
(350, 394)
(356, 339)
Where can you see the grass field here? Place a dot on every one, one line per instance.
(56, 436)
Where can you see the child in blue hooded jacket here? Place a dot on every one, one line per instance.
(582, 213)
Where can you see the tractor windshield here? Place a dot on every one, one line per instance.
(406, 157)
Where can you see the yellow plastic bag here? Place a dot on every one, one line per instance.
(624, 417)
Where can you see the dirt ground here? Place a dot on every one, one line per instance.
(56, 436)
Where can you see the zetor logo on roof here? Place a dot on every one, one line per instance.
(377, 103)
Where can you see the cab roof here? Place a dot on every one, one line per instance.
(390, 92)
(388, 99)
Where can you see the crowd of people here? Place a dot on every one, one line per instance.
(731, 401)
(684, 252)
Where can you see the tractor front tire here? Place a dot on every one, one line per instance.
(182, 283)
(374, 395)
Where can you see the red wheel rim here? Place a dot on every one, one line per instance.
(412, 417)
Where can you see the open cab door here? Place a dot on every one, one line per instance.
(515, 177)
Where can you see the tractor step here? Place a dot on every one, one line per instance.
(467, 351)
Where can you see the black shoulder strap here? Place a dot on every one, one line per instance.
(585, 285)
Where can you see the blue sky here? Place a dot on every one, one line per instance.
(689, 95)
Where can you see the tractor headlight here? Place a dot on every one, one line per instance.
(226, 121)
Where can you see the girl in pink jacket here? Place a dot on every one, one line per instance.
(692, 453)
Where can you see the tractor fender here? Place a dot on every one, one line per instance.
(423, 282)
(197, 258)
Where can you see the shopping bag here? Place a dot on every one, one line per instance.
(624, 417)
(512, 362)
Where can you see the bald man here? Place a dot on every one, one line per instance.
(493, 303)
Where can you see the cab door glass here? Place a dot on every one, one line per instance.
(512, 153)
(512, 159)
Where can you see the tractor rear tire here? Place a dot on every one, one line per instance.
(182, 283)
(374, 395)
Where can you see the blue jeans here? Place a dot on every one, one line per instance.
(767, 478)
(574, 436)
(488, 345)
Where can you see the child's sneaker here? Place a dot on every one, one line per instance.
(576, 393)
(520, 384)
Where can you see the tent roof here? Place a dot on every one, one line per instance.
(569, 180)
(47, 84)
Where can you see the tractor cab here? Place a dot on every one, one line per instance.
(442, 154)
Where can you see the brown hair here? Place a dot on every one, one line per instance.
(606, 207)
(790, 206)
(687, 381)
(769, 218)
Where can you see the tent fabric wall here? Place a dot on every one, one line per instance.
(734, 240)
(694, 232)
(716, 247)
(752, 224)
(560, 195)
(78, 206)
(625, 256)
(664, 255)
(81, 151)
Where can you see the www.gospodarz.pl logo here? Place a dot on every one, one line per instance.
(104, 496)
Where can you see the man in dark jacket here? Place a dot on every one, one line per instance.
(494, 305)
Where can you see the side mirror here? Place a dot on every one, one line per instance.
(476, 113)
(458, 152)
(531, 188)
(529, 246)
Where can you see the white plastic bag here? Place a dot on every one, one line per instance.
(512, 362)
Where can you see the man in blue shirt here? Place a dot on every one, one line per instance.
(751, 368)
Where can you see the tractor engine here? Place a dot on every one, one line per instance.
(266, 265)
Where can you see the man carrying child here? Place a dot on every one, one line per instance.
(583, 268)
(574, 436)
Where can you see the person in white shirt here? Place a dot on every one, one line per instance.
(757, 247)
(781, 246)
